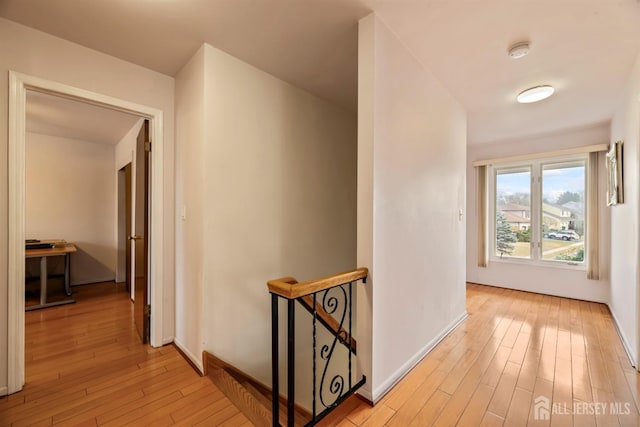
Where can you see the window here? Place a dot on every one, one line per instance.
(563, 211)
(538, 211)
(513, 212)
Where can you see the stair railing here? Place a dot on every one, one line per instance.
(330, 302)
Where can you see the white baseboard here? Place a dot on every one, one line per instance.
(623, 338)
(394, 378)
(168, 340)
(196, 360)
(4, 391)
(366, 394)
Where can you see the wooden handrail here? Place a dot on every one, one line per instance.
(329, 322)
(288, 287)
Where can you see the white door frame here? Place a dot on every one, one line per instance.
(18, 86)
(637, 317)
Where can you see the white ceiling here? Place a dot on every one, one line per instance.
(66, 118)
(585, 48)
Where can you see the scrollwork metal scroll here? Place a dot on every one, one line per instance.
(331, 304)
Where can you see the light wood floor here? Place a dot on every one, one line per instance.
(85, 367)
(514, 347)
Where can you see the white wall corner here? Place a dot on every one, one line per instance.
(197, 361)
(625, 342)
(395, 378)
(366, 394)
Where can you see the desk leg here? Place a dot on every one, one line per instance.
(43, 280)
(67, 274)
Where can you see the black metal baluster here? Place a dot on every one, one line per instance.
(336, 383)
(314, 356)
(291, 361)
(275, 394)
(350, 332)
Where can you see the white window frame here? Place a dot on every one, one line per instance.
(536, 167)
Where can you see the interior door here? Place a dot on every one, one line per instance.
(140, 238)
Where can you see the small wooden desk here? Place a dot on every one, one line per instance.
(60, 249)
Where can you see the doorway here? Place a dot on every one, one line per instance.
(19, 84)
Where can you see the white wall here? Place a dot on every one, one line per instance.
(625, 296)
(541, 279)
(35, 53)
(190, 256)
(411, 184)
(125, 149)
(268, 180)
(70, 195)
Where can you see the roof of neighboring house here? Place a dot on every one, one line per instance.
(555, 216)
(553, 209)
(513, 207)
(509, 217)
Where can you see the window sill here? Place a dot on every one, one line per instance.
(540, 264)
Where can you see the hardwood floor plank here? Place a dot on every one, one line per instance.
(529, 369)
(501, 400)
(583, 418)
(145, 408)
(339, 416)
(72, 408)
(633, 381)
(345, 423)
(379, 417)
(233, 421)
(415, 401)
(547, 363)
(518, 412)
(431, 410)
(580, 379)
(562, 384)
(604, 418)
(178, 408)
(543, 389)
(219, 411)
(475, 410)
(491, 420)
(496, 366)
(406, 388)
(480, 361)
(363, 412)
(457, 403)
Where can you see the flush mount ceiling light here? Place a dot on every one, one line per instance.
(535, 94)
(519, 50)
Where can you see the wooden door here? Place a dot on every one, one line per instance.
(140, 239)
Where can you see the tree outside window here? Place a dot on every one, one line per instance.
(505, 236)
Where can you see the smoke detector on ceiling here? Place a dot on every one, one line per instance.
(519, 50)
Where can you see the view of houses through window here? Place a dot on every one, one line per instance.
(513, 212)
(540, 211)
